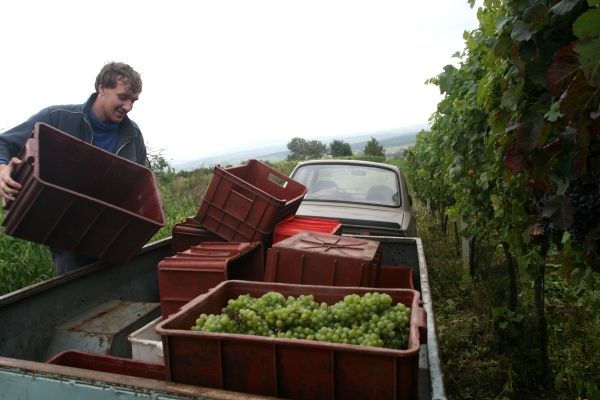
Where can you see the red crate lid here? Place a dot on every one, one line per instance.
(310, 258)
(295, 224)
(331, 245)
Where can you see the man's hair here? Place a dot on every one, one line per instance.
(114, 71)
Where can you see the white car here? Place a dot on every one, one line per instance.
(368, 198)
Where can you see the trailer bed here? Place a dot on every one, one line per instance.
(66, 312)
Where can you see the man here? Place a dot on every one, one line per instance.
(102, 121)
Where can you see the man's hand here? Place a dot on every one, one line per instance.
(8, 187)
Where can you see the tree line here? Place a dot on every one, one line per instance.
(301, 149)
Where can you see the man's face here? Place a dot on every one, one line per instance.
(114, 103)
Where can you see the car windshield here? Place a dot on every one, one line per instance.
(349, 183)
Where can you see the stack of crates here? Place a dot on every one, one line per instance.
(235, 220)
(303, 256)
(193, 272)
(188, 233)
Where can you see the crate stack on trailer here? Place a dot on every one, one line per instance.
(256, 204)
(244, 239)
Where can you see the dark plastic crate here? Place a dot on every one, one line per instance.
(310, 258)
(78, 197)
(244, 203)
(188, 274)
(396, 277)
(289, 368)
(293, 224)
(111, 364)
(189, 233)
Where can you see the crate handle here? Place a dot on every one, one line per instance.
(27, 157)
(421, 323)
(20, 171)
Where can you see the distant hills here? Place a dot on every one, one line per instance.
(392, 141)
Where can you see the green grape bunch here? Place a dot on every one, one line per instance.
(368, 320)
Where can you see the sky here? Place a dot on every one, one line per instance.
(227, 74)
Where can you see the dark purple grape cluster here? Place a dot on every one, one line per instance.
(585, 202)
(547, 227)
(544, 225)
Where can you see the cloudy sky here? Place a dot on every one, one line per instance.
(220, 75)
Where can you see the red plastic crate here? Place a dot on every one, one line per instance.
(294, 224)
(188, 274)
(106, 363)
(310, 258)
(244, 203)
(289, 368)
(396, 277)
(78, 197)
(189, 233)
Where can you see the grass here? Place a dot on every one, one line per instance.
(22, 263)
(488, 354)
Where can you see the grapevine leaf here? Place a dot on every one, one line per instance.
(552, 149)
(514, 159)
(568, 136)
(587, 25)
(510, 98)
(536, 16)
(503, 45)
(564, 7)
(529, 130)
(536, 72)
(515, 56)
(446, 78)
(561, 71)
(553, 114)
(501, 22)
(540, 170)
(520, 5)
(589, 57)
(575, 101)
(527, 51)
(582, 142)
(497, 121)
(559, 211)
(521, 32)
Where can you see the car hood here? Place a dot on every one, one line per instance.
(367, 214)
